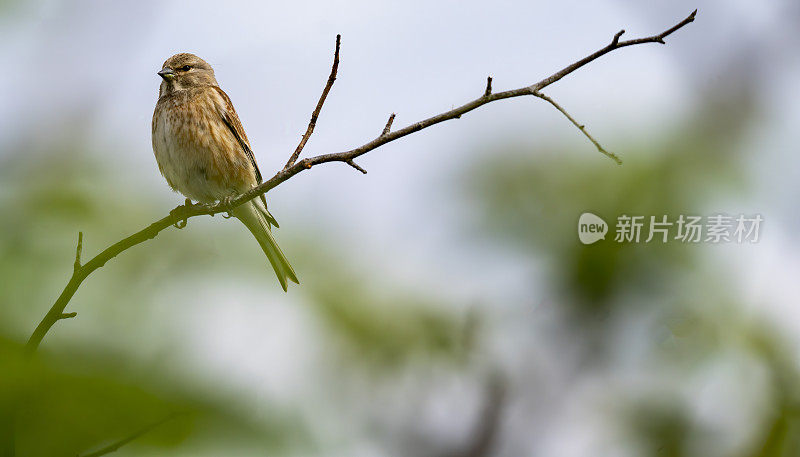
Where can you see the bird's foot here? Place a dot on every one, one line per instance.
(182, 221)
(225, 202)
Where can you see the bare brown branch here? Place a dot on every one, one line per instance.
(615, 44)
(294, 167)
(315, 115)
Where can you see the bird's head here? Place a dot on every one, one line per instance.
(184, 71)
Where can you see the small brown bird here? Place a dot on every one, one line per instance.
(203, 152)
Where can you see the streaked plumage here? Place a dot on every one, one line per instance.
(203, 152)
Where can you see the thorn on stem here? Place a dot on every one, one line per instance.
(488, 91)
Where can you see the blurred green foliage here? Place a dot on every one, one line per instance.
(383, 324)
(106, 374)
(531, 198)
(534, 198)
(70, 404)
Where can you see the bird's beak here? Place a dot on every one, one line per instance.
(166, 73)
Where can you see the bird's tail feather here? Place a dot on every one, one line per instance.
(256, 222)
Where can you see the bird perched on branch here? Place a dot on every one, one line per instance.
(203, 152)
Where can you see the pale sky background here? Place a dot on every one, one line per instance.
(415, 58)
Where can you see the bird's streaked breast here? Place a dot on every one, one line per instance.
(195, 151)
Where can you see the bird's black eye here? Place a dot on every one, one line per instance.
(186, 68)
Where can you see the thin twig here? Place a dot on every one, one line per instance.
(355, 165)
(118, 444)
(488, 90)
(315, 114)
(55, 312)
(78, 250)
(184, 212)
(615, 41)
(615, 44)
(580, 126)
(388, 127)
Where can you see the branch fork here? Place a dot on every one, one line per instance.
(315, 114)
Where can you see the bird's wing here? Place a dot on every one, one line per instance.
(231, 119)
